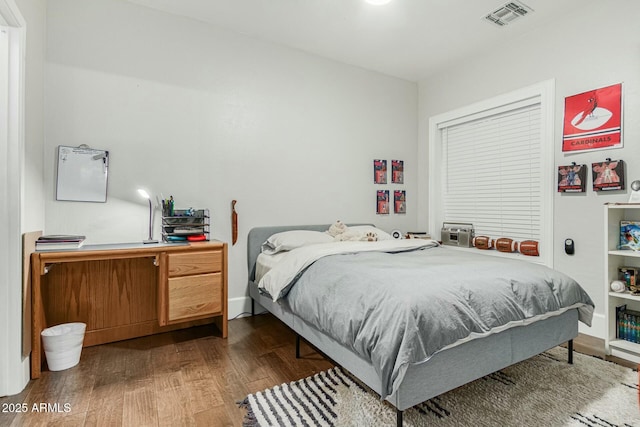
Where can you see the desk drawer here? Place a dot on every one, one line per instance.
(195, 296)
(195, 263)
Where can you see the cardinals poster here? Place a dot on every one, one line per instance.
(593, 120)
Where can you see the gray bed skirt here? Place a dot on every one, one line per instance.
(447, 369)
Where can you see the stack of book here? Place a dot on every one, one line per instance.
(58, 242)
(628, 324)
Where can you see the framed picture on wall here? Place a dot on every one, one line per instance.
(382, 202)
(380, 171)
(399, 202)
(572, 178)
(608, 175)
(397, 171)
(593, 120)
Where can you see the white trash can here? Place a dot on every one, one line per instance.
(63, 345)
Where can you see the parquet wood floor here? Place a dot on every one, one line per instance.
(180, 378)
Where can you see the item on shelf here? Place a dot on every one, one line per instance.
(184, 224)
(628, 324)
(482, 242)
(618, 286)
(629, 275)
(505, 244)
(630, 235)
(620, 332)
(529, 248)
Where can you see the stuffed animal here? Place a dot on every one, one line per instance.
(342, 233)
(337, 228)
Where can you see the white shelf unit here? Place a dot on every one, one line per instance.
(615, 258)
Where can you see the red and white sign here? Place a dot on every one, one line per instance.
(593, 120)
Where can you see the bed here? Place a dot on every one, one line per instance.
(453, 364)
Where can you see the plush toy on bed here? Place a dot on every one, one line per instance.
(341, 233)
(336, 228)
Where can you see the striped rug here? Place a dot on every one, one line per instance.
(542, 391)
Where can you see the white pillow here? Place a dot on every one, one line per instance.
(289, 240)
(363, 229)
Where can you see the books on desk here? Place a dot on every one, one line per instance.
(59, 242)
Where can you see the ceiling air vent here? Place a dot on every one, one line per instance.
(508, 13)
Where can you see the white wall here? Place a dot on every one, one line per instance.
(23, 177)
(208, 116)
(33, 194)
(594, 47)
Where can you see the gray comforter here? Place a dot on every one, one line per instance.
(399, 308)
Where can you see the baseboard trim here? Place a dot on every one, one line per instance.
(597, 328)
(241, 307)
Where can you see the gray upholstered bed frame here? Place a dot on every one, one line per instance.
(447, 369)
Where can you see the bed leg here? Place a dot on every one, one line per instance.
(570, 352)
(398, 418)
(297, 346)
(253, 307)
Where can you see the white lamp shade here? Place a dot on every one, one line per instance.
(143, 193)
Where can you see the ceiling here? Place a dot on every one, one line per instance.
(409, 39)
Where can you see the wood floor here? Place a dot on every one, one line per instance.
(180, 378)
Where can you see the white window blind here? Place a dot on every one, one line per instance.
(492, 173)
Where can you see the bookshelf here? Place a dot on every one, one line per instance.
(615, 258)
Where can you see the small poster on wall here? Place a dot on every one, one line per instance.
(593, 120)
(382, 202)
(608, 175)
(397, 171)
(572, 178)
(399, 202)
(380, 171)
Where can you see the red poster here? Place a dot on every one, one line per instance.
(593, 120)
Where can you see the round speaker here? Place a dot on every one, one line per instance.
(396, 234)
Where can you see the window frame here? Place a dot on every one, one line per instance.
(545, 92)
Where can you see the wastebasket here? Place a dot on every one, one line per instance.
(63, 345)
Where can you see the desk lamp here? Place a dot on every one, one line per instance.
(144, 194)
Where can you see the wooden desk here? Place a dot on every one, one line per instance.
(127, 290)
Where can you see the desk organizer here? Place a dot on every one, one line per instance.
(186, 225)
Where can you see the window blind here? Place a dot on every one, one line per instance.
(492, 173)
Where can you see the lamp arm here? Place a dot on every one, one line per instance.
(150, 220)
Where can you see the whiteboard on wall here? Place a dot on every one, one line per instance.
(82, 174)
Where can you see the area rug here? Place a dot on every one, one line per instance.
(542, 391)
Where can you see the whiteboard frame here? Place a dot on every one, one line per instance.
(82, 174)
